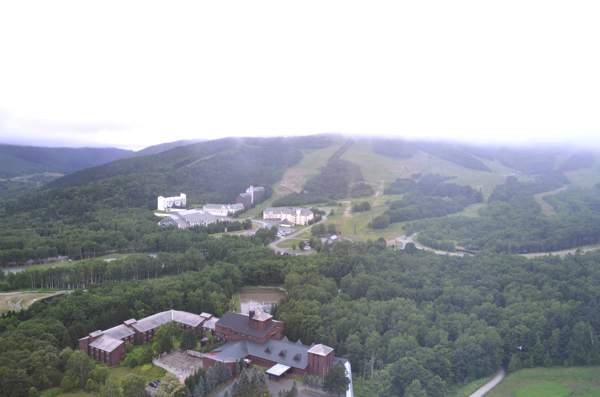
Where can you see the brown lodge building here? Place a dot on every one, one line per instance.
(108, 346)
(255, 337)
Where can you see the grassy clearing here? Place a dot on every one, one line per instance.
(376, 168)
(547, 208)
(289, 242)
(149, 372)
(236, 302)
(313, 161)
(586, 177)
(533, 382)
(593, 392)
(472, 211)
(26, 298)
(548, 389)
(78, 393)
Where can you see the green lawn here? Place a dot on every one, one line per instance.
(550, 382)
(376, 168)
(152, 373)
(586, 177)
(236, 302)
(78, 393)
(288, 243)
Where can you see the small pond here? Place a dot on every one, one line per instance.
(260, 299)
(14, 270)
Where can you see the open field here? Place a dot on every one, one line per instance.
(313, 161)
(542, 382)
(586, 177)
(289, 242)
(66, 262)
(25, 298)
(377, 167)
(547, 208)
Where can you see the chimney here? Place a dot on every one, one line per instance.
(250, 315)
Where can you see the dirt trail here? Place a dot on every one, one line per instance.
(378, 193)
(491, 384)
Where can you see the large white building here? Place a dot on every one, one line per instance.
(299, 216)
(190, 218)
(223, 209)
(165, 203)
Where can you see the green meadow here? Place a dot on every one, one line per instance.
(550, 382)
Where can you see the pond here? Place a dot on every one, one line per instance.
(260, 299)
(14, 270)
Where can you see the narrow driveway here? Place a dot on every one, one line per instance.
(274, 247)
(491, 384)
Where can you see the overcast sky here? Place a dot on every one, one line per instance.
(130, 75)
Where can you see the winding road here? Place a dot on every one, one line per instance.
(274, 247)
(404, 240)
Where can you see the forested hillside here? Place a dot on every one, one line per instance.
(26, 160)
(108, 207)
(399, 315)
(407, 314)
(427, 198)
(339, 179)
(513, 222)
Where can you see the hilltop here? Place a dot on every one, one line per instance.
(18, 161)
(163, 147)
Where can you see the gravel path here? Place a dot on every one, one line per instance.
(491, 384)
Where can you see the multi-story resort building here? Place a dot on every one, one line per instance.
(223, 209)
(252, 195)
(166, 203)
(256, 337)
(298, 216)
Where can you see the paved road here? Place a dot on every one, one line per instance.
(491, 384)
(274, 247)
(404, 240)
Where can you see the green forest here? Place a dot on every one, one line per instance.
(439, 319)
(16, 161)
(399, 314)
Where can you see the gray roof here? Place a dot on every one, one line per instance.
(280, 351)
(119, 332)
(186, 218)
(210, 323)
(106, 343)
(246, 195)
(96, 333)
(286, 222)
(155, 320)
(320, 350)
(277, 369)
(240, 323)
